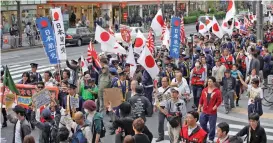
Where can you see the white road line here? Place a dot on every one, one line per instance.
(39, 71)
(164, 141)
(26, 69)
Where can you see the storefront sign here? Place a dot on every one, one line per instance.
(125, 15)
(48, 39)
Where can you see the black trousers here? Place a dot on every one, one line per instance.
(4, 112)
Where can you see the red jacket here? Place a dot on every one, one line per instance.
(227, 62)
(216, 99)
(198, 135)
(41, 118)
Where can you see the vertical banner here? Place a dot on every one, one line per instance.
(175, 37)
(57, 20)
(48, 39)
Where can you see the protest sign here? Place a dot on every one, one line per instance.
(113, 95)
(9, 100)
(175, 38)
(74, 102)
(41, 98)
(27, 91)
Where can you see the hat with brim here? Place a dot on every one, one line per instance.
(72, 86)
(175, 89)
(33, 65)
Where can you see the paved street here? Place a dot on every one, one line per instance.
(18, 62)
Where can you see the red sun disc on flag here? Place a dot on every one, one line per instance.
(149, 61)
(104, 36)
(215, 27)
(44, 23)
(56, 16)
(176, 23)
(160, 20)
(82, 63)
(236, 24)
(138, 42)
(207, 21)
(230, 5)
(201, 27)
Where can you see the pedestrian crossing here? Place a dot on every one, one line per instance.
(233, 130)
(16, 71)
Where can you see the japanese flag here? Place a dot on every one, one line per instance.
(226, 27)
(115, 48)
(158, 23)
(202, 28)
(270, 17)
(104, 37)
(166, 38)
(140, 42)
(237, 23)
(147, 61)
(131, 60)
(83, 65)
(208, 22)
(231, 11)
(216, 29)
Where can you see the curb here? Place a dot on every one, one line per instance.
(20, 48)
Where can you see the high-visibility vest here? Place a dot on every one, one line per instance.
(126, 84)
(227, 61)
(187, 70)
(197, 75)
(169, 76)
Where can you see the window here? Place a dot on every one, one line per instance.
(71, 31)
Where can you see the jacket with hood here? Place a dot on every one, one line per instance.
(104, 81)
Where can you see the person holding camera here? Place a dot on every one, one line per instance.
(176, 113)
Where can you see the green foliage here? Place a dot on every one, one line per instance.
(220, 15)
(212, 11)
(190, 19)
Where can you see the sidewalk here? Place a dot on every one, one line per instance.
(241, 112)
(25, 45)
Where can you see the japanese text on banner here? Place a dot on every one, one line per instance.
(57, 20)
(48, 39)
(175, 37)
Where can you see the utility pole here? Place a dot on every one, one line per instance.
(175, 11)
(254, 6)
(19, 21)
(259, 21)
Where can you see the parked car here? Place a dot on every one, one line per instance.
(134, 31)
(79, 35)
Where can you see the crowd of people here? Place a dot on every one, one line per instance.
(218, 71)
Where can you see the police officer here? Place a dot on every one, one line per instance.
(122, 83)
(168, 72)
(148, 85)
(209, 58)
(34, 73)
(184, 66)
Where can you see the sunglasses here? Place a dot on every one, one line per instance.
(40, 87)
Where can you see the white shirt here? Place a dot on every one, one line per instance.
(255, 92)
(183, 86)
(18, 138)
(190, 130)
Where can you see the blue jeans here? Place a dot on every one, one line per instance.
(196, 91)
(204, 119)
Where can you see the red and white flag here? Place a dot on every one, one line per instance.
(84, 65)
(104, 37)
(202, 28)
(150, 41)
(140, 42)
(246, 22)
(158, 23)
(237, 23)
(182, 31)
(92, 54)
(216, 29)
(110, 30)
(231, 11)
(131, 60)
(226, 28)
(115, 48)
(163, 30)
(208, 23)
(148, 62)
(166, 39)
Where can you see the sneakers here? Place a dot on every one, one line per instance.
(227, 111)
(4, 125)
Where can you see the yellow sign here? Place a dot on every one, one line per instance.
(9, 100)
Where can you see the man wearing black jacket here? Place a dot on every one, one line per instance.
(123, 124)
(229, 85)
(141, 106)
(255, 133)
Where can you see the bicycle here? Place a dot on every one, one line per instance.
(269, 87)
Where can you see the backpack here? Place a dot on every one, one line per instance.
(53, 132)
(103, 129)
(78, 136)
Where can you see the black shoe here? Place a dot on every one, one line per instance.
(237, 104)
(4, 125)
(159, 139)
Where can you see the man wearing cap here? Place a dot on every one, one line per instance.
(67, 100)
(75, 69)
(184, 66)
(104, 82)
(122, 83)
(168, 72)
(192, 132)
(148, 85)
(113, 74)
(34, 67)
(88, 89)
(22, 127)
(175, 107)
